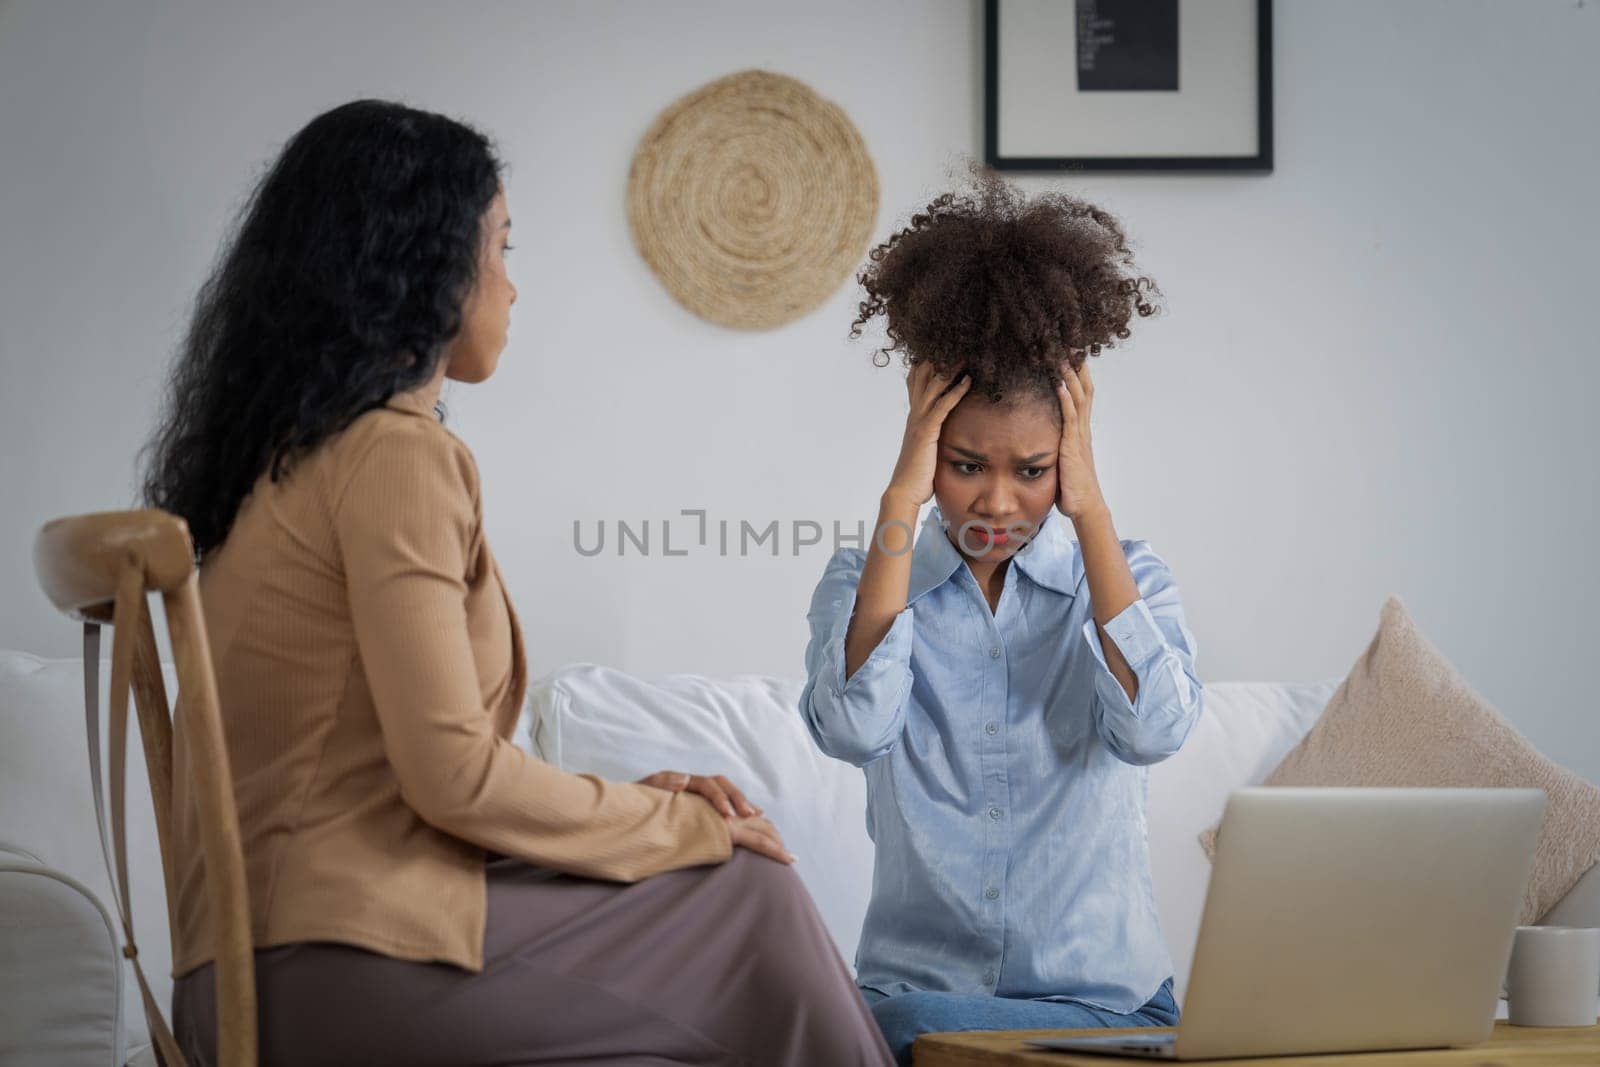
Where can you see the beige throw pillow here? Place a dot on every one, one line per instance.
(1405, 717)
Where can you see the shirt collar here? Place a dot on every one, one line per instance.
(1051, 559)
(409, 402)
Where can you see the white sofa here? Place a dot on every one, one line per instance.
(67, 997)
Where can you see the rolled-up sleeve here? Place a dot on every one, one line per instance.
(1152, 636)
(857, 719)
(407, 523)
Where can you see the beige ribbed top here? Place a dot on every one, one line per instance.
(371, 669)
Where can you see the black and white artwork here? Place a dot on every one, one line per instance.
(1127, 46)
(1128, 85)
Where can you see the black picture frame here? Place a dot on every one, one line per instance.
(1261, 161)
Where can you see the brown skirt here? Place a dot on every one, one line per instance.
(726, 964)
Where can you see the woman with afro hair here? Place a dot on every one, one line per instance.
(1006, 682)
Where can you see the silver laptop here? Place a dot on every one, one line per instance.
(1350, 920)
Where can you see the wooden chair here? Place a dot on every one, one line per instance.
(98, 568)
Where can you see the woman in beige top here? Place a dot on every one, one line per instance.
(422, 891)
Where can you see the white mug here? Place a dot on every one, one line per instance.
(1554, 976)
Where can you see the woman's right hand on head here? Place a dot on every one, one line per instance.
(932, 397)
(756, 833)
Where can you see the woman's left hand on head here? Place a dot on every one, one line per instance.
(1078, 487)
(722, 794)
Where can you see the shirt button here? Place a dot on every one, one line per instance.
(994, 653)
(991, 729)
(992, 893)
(994, 813)
(988, 978)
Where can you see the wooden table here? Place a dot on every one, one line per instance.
(1508, 1046)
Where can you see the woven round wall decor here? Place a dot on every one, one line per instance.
(752, 198)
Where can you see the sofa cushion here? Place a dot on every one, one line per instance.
(1405, 717)
(1241, 735)
(603, 721)
(46, 808)
(55, 936)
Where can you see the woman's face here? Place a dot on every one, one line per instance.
(474, 352)
(996, 469)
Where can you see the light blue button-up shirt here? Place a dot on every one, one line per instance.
(1007, 771)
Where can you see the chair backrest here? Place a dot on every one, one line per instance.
(98, 569)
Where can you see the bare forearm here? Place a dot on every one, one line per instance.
(1111, 587)
(885, 579)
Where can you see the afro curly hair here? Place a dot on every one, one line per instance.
(1004, 288)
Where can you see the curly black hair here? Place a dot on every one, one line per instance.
(342, 281)
(1004, 288)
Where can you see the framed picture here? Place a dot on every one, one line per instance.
(1128, 85)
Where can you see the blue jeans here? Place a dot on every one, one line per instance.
(904, 1016)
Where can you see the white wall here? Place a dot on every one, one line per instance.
(1373, 378)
